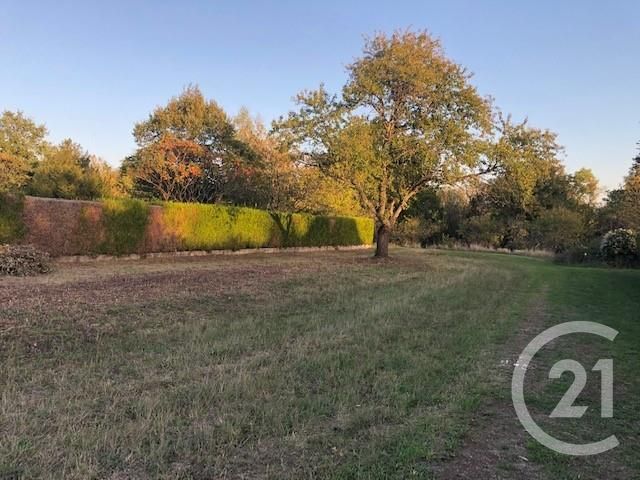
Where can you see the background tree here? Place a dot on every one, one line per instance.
(175, 169)
(269, 181)
(407, 119)
(586, 186)
(557, 229)
(277, 179)
(621, 208)
(22, 144)
(529, 202)
(67, 171)
(190, 139)
(630, 204)
(108, 179)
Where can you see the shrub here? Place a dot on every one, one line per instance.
(11, 224)
(22, 260)
(410, 231)
(584, 254)
(124, 222)
(558, 229)
(482, 230)
(619, 247)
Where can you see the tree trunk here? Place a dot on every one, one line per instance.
(382, 241)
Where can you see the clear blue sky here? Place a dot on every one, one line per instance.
(90, 69)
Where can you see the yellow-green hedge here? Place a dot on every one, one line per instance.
(214, 227)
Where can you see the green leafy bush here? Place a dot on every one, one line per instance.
(619, 247)
(124, 222)
(11, 225)
(481, 230)
(558, 229)
(587, 253)
(410, 231)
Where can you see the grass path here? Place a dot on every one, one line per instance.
(326, 365)
(610, 297)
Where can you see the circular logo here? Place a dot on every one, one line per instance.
(517, 388)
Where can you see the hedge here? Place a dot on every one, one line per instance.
(124, 223)
(214, 227)
(217, 227)
(123, 226)
(11, 224)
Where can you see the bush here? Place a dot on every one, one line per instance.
(11, 225)
(22, 260)
(584, 254)
(619, 247)
(558, 229)
(410, 232)
(481, 230)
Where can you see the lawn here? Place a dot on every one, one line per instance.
(315, 365)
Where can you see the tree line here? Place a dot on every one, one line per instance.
(408, 141)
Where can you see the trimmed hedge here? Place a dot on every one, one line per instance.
(11, 224)
(124, 223)
(215, 227)
(123, 226)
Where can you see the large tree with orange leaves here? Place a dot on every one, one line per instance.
(173, 169)
(187, 151)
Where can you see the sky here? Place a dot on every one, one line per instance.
(90, 70)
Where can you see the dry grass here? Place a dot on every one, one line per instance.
(323, 365)
(474, 247)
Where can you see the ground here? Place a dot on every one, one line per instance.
(314, 365)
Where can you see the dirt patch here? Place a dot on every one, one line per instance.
(496, 446)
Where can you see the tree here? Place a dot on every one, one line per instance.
(558, 229)
(630, 205)
(65, 172)
(622, 206)
(189, 140)
(585, 185)
(437, 215)
(269, 180)
(107, 178)
(175, 169)
(407, 119)
(528, 160)
(275, 179)
(22, 145)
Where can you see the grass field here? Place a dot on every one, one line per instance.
(323, 365)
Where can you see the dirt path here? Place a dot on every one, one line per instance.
(495, 447)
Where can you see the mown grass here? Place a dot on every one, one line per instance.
(342, 368)
(610, 297)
